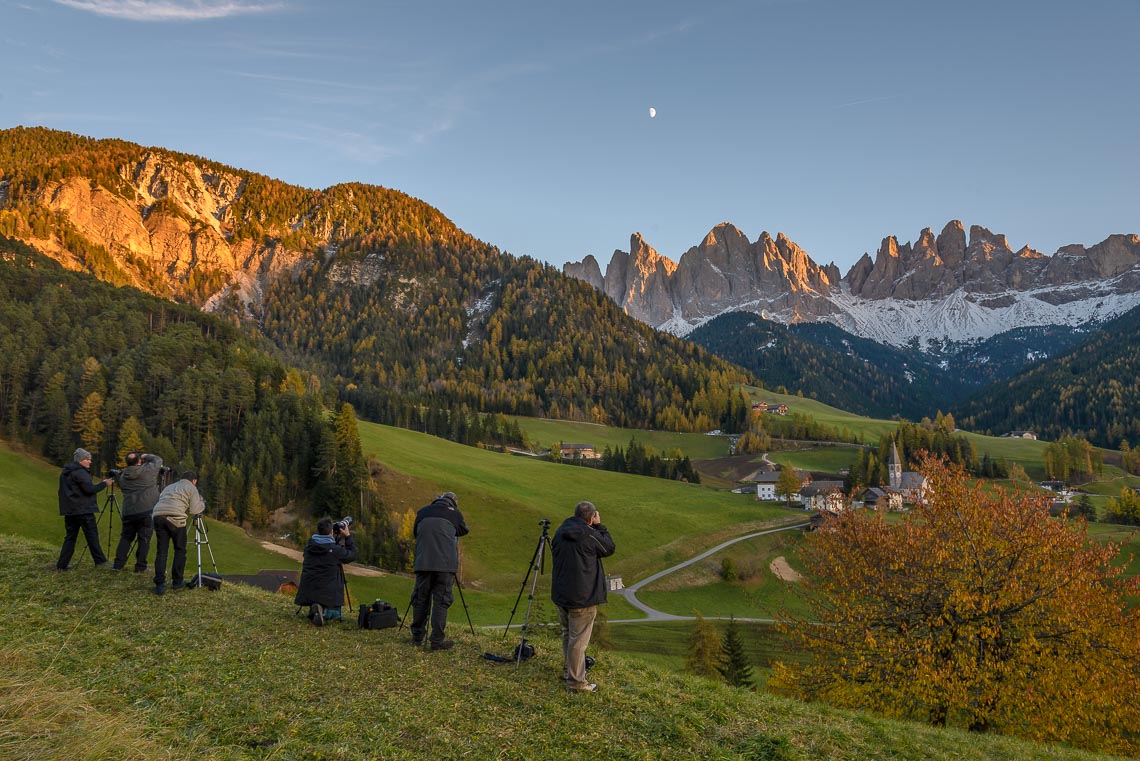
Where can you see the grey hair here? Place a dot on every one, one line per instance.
(585, 510)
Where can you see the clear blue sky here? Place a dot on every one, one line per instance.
(836, 122)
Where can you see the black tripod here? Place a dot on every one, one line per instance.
(111, 502)
(537, 566)
(202, 537)
(462, 599)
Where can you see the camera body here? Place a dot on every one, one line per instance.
(342, 525)
(114, 473)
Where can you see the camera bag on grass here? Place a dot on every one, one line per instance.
(212, 583)
(378, 615)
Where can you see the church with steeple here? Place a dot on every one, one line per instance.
(910, 484)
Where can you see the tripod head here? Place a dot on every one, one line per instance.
(545, 523)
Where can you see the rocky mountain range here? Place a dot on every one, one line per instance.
(946, 288)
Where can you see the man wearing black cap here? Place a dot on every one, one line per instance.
(437, 530)
(77, 505)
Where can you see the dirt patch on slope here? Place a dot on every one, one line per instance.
(783, 571)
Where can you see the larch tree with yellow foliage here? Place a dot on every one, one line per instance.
(976, 610)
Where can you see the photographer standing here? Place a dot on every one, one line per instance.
(322, 572)
(139, 482)
(78, 506)
(437, 530)
(175, 505)
(578, 586)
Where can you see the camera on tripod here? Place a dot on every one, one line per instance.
(342, 525)
(114, 473)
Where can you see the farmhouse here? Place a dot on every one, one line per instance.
(764, 478)
(1022, 435)
(778, 408)
(579, 452)
(875, 498)
(824, 495)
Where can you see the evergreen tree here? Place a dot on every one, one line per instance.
(734, 665)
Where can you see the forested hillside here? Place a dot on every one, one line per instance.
(83, 363)
(415, 321)
(837, 368)
(1091, 392)
(857, 374)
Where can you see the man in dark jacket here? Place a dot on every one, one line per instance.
(437, 530)
(322, 577)
(578, 587)
(139, 482)
(77, 505)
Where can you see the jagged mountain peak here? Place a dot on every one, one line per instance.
(955, 285)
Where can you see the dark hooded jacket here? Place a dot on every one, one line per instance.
(77, 491)
(578, 580)
(140, 486)
(437, 530)
(322, 579)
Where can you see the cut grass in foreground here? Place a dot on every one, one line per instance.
(234, 674)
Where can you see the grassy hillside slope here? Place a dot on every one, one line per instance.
(95, 668)
(655, 523)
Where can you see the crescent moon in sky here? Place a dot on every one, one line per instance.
(652, 112)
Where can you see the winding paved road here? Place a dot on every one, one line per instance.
(652, 614)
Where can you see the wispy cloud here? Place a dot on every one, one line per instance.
(865, 100)
(324, 83)
(355, 145)
(171, 10)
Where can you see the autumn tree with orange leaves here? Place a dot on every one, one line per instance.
(976, 610)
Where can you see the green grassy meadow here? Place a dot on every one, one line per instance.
(548, 433)
(95, 668)
(655, 523)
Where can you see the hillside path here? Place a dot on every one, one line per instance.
(652, 614)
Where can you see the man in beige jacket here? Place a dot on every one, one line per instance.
(175, 505)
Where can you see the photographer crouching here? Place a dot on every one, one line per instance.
(322, 575)
(139, 484)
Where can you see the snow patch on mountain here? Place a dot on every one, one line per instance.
(959, 318)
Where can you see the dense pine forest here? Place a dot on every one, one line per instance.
(412, 318)
(827, 364)
(83, 363)
(1090, 392)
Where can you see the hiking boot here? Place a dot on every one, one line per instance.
(317, 614)
(140, 569)
(445, 645)
(65, 567)
(584, 688)
(116, 568)
(160, 589)
(179, 585)
(418, 641)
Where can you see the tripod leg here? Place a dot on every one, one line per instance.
(532, 568)
(406, 612)
(464, 601)
(530, 601)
